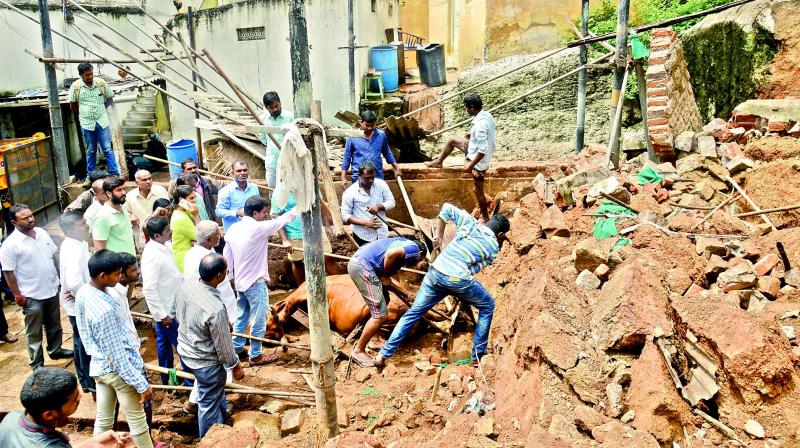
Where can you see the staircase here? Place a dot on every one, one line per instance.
(140, 121)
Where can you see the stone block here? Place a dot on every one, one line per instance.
(738, 165)
(686, 142)
(589, 176)
(268, 426)
(765, 264)
(485, 427)
(710, 246)
(737, 277)
(292, 421)
(591, 253)
(552, 223)
(707, 147)
(587, 281)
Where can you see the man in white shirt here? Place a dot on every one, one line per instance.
(364, 205)
(274, 115)
(208, 237)
(160, 280)
(478, 145)
(29, 261)
(100, 198)
(139, 201)
(74, 268)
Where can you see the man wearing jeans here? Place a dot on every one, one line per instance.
(74, 266)
(474, 247)
(204, 339)
(246, 253)
(116, 364)
(88, 97)
(29, 262)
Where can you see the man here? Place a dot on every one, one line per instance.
(113, 226)
(246, 253)
(208, 237)
(232, 197)
(29, 261)
(474, 247)
(5, 334)
(370, 147)
(293, 234)
(85, 199)
(160, 279)
(88, 97)
(74, 268)
(116, 365)
(204, 339)
(364, 202)
(99, 199)
(274, 115)
(478, 145)
(372, 266)
(207, 189)
(50, 395)
(139, 201)
(129, 275)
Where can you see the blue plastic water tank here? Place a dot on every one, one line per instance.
(383, 58)
(177, 152)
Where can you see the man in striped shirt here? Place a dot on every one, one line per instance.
(88, 97)
(474, 247)
(204, 339)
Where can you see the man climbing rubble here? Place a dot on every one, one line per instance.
(474, 247)
(478, 145)
(371, 267)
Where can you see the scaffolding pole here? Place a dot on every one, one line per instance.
(581, 125)
(620, 72)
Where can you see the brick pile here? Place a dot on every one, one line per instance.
(671, 107)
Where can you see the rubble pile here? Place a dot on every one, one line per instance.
(657, 316)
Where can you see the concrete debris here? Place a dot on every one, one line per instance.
(738, 164)
(292, 421)
(740, 276)
(591, 253)
(789, 332)
(614, 397)
(686, 141)
(587, 280)
(790, 314)
(485, 427)
(707, 147)
(553, 223)
(628, 417)
(475, 404)
(755, 429)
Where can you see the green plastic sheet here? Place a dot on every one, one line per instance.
(606, 227)
(648, 176)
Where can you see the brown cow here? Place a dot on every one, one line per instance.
(346, 307)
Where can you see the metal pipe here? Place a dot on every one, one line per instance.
(53, 106)
(523, 95)
(581, 125)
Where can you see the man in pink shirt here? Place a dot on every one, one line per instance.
(246, 253)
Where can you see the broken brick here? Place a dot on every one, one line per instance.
(694, 290)
(769, 286)
(737, 277)
(710, 246)
(765, 264)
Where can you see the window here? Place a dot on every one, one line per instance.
(254, 33)
(391, 7)
(374, 4)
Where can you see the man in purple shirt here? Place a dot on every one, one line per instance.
(371, 146)
(246, 253)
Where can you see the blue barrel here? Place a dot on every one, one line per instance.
(383, 58)
(177, 152)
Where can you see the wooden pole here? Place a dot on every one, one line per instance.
(582, 58)
(641, 85)
(230, 391)
(298, 54)
(272, 341)
(202, 171)
(410, 207)
(63, 60)
(345, 258)
(620, 81)
(768, 210)
(53, 104)
(197, 133)
(714, 210)
(327, 179)
(322, 357)
(747, 198)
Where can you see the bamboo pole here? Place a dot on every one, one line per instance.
(747, 198)
(228, 390)
(63, 60)
(612, 153)
(714, 210)
(343, 257)
(618, 202)
(401, 224)
(768, 210)
(107, 60)
(525, 94)
(325, 174)
(202, 171)
(124, 37)
(272, 341)
(408, 202)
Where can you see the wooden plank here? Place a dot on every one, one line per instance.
(324, 171)
(333, 132)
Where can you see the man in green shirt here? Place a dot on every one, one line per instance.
(273, 116)
(112, 228)
(88, 97)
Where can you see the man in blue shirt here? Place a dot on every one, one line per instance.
(231, 198)
(474, 247)
(371, 146)
(371, 267)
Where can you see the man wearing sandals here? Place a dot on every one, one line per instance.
(474, 247)
(371, 267)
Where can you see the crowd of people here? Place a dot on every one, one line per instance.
(202, 281)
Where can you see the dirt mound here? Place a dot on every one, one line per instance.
(775, 185)
(785, 73)
(769, 149)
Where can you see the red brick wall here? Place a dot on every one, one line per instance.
(671, 108)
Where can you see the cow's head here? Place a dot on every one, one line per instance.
(274, 325)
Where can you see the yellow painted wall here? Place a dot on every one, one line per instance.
(414, 16)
